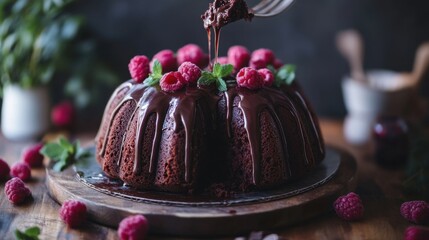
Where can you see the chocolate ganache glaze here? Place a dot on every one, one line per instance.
(247, 139)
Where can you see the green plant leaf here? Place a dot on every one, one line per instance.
(31, 233)
(64, 153)
(206, 78)
(157, 69)
(222, 70)
(151, 81)
(285, 75)
(52, 150)
(221, 85)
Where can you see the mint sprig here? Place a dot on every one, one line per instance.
(216, 76)
(285, 75)
(31, 233)
(155, 76)
(64, 153)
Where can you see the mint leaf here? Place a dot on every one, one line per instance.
(206, 78)
(157, 69)
(221, 71)
(221, 85)
(155, 76)
(52, 150)
(31, 233)
(64, 153)
(151, 81)
(285, 75)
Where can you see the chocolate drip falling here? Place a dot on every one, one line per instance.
(221, 13)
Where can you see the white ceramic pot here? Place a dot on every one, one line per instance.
(25, 112)
(384, 93)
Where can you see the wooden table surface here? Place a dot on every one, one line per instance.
(379, 188)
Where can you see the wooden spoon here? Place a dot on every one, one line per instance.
(350, 45)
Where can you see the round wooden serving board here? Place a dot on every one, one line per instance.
(170, 214)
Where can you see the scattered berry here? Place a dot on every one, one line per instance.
(192, 53)
(415, 211)
(4, 170)
(416, 233)
(21, 171)
(261, 58)
(16, 191)
(32, 156)
(190, 72)
(167, 60)
(73, 213)
(249, 78)
(222, 60)
(349, 207)
(267, 75)
(172, 81)
(238, 56)
(62, 114)
(277, 63)
(139, 68)
(133, 228)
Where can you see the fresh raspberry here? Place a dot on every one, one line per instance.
(415, 211)
(16, 191)
(167, 59)
(21, 171)
(139, 68)
(62, 114)
(192, 53)
(4, 170)
(349, 207)
(238, 56)
(249, 78)
(172, 81)
(416, 233)
(267, 75)
(190, 72)
(222, 60)
(73, 213)
(133, 228)
(277, 63)
(261, 58)
(32, 156)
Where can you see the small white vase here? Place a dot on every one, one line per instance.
(25, 112)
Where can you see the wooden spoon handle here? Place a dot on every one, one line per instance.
(421, 62)
(350, 45)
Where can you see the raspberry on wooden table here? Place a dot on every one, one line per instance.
(21, 170)
(415, 211)
(349, 207)
(4, 170)
(73, 213)
(32, 155)
(133, 228)
(416, 233)
(16, 191)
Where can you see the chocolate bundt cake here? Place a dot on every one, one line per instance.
(186, 130)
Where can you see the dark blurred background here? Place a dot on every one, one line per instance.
(304, 35)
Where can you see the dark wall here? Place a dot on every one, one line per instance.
(304, 35)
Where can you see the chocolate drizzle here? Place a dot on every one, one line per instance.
(221, 13)
(187, 107)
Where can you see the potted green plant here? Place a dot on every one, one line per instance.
(34, 34)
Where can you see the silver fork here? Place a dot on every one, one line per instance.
(268, 8)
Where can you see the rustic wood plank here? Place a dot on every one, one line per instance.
(378, 188)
